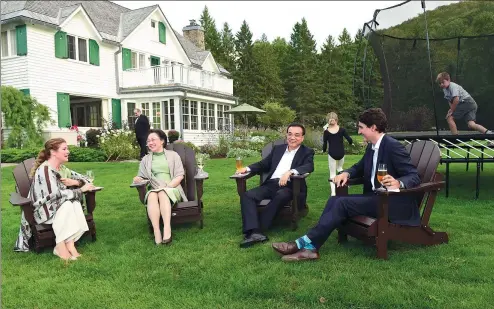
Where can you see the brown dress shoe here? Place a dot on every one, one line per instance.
(301, 255)
(285, 247)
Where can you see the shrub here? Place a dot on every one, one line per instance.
(357, 148)
(243, 153)
(276, 115)
(173, 135)
(77, 154)
(313, 138)
(119, 145)
(92, 138)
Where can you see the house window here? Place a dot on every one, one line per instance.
(86, 114)
(172, 114)
(153, 24)
(133, 58)
(166, 114)
(131, 118)
(9, 43)
(154, 28)
(185, 114)
(212, 125)
(204, 116)
(220, 117)
(156, 115)
(142, 61)
(78, 48)
(145, 108)
(193, 115)
(226, 117)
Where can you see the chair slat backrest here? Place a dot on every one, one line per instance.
(188, 157)
(266, 150)
(21, 176)
(425, 155)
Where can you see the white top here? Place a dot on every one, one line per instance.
(374, 160)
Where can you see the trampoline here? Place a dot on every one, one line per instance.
(406, 64)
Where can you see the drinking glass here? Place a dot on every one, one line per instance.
(200, 166)
(90, 175)
(382, 171)
(238, 163)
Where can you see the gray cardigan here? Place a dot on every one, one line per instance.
(176, 170)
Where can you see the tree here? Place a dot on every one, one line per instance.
(276, 115)
(24, 116)
(268, 81)
(227, 58)
(212, 38)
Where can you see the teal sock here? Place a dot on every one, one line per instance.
(305, 243)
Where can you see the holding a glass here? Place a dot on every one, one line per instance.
(382, 171)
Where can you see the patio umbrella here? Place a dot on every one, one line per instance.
(245, 109)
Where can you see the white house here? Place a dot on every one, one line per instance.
(91, 61)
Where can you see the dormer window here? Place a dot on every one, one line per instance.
(77, 48)
(153, 24)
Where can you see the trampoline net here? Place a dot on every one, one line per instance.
(393, 70)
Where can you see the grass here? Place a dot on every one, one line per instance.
(207, 269)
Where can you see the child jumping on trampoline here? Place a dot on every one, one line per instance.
(461, 105)
(333, 136)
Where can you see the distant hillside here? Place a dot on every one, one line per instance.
(466, 18)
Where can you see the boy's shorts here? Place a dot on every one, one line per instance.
(466, 110)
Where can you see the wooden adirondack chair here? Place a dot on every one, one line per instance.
(291, 212)
(425, 155)
(43, 235)
(190, 211)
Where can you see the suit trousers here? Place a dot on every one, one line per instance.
(279, 196)
(143, 144)
(337, 210)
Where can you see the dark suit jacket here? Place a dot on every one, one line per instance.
(142, 127)
(303, 162)
(402, 209)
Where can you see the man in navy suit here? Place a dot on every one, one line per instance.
(401, 174)
(283, 161)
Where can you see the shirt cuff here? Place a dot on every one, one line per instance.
(248, 169)
(294, 171)
(402, 186)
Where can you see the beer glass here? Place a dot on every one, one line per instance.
(382, 171)
(238, 163)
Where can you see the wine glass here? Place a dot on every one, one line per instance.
(382, 171)
(200, 165)
(90, 176)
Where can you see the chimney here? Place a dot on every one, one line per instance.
(195, 33)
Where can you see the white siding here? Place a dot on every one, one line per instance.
(49, 75)
(210, 65)
(143, 39)
(14, 72)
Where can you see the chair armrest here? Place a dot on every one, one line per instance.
(422, 188)
(17, 200)
(352, 181)
(303, 176)
(242, 176)
(139, 184)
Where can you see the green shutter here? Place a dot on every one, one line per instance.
(25, 91)
(126, 59)
(93, 52)
(63, 110)
(162, 32)
(116, 111)
(61, 48)
(21, 37)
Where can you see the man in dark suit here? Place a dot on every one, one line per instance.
(141, 129)
(400, 174)
(280, 164)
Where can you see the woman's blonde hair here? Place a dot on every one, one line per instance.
(332, 118)
(51, 144)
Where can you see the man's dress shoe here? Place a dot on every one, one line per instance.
(301, 255)
(253, 239)
(285, 247)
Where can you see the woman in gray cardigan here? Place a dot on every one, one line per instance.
(164, 171)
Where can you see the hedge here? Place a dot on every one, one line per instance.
(77, 154)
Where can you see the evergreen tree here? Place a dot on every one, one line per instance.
(227, 58)
(268, 81)
(212, 38)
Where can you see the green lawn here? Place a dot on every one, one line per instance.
(207, 269)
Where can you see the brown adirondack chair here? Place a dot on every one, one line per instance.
(425, 155)
(190, 211)
(291, 212)
(42, 234)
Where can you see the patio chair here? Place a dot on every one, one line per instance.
(43, 235)
(190, 211)
(294, 210)
(425, 155)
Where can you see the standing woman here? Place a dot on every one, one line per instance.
(54, 202)
(333, 138)
(164, 170)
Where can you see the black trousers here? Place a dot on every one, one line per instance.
(337, 210)
(279, 196)
(142, 143)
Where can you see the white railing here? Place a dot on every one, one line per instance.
(176, 74)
